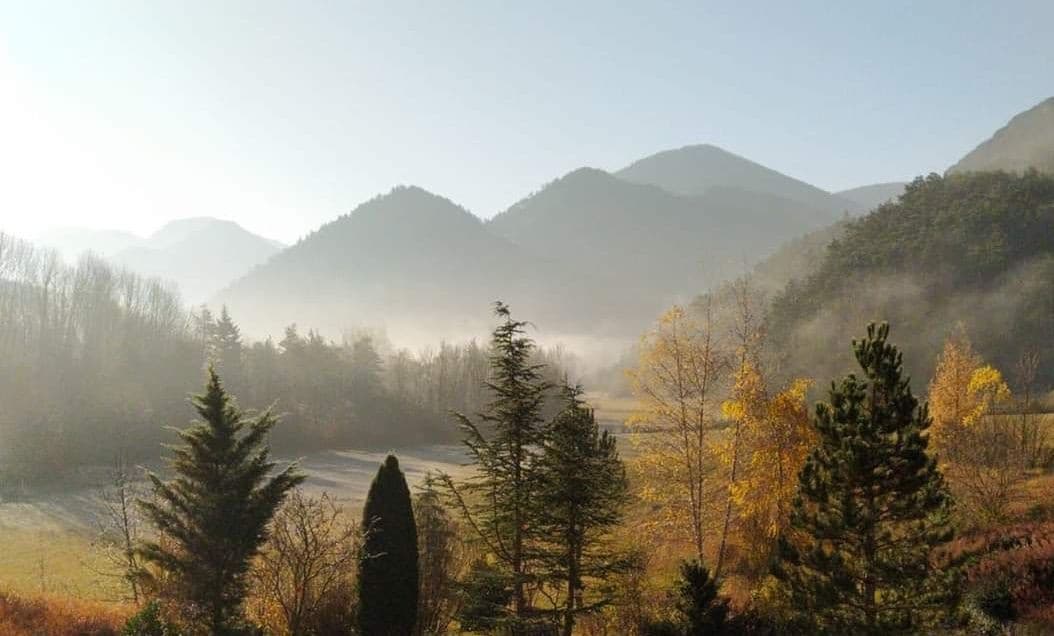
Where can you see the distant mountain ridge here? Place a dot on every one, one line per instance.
(590, 252)
(869, 197)
(200, 254)
(692, 170)
(1027, 141)
(405, 260)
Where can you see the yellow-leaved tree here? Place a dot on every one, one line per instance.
(776, 435)
(681, 363)
(980, 448)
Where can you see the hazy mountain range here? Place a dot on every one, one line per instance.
(201, 254)
(590, 252)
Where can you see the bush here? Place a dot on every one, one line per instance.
(150, 621)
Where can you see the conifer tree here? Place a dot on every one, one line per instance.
(441, 558)
(388, 572)
(225, 342)
(582, 492)
(702, 609)
(497, 500)
(214, 514)
(872, 506)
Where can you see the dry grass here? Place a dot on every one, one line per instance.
(54, 562)
(25, 616)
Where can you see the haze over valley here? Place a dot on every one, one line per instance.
(579, 319)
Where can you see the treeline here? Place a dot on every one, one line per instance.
(859, 517)
(96, 361)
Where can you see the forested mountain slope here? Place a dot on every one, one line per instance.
(409, 261)
(976, 248)
(648, 243)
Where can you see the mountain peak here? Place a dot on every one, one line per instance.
(695, 169)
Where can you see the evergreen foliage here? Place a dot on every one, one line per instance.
(583, 488)
(504, 447)
(388, 570)
(871, 508)
(485, 594)
(212, 518)
(703, 611)
(977, 248)
(225, 342)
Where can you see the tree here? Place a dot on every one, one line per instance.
(496, 501)
(120, 527)
(388, 574)
(702, 610)
(225, 343)
(583, 490)
(442, 558)
(214, 515)
(680, 365)
(984, 453)
(871, 508)
(308, 563)
(776, 435)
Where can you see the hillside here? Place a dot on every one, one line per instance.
(693, 170)
(411, 262)
(975, 248)
(646, 242)
(201, 255)
(869, 197)
(1027, 141)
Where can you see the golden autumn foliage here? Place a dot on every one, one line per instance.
(776, 435)
(675, 381)
(981, 450)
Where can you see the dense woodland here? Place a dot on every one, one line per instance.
(95, 361)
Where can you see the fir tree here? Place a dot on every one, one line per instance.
(225, 343)
(214, 515)
(703, 611)
(582, 492)
(497, 501)
(872, 506)
(388, 584)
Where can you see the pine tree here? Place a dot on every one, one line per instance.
(214, 515)
(582, 492)
(388, 584)
(872, 506)
(225, 343)
(497, 501)
(702, 610)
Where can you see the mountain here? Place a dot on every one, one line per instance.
(201, 255)
(869, 197)
(1026, 142)
(412, 262)
(693, 170)
(71, 242)
(646, 242)
(975, 248)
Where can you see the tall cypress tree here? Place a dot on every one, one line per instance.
(504, 447)
(215, 513)
(582, 490)
(388, 571)
(872, 506)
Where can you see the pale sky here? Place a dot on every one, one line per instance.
(283, 115)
